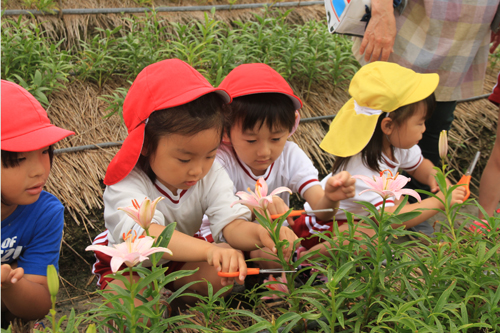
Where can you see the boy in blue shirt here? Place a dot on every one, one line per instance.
(32, 219)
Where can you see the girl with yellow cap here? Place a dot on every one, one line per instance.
(378, 130)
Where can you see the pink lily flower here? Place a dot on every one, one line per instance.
(142, 214)
(276, 286)
(259, 199)
(388, 186)
(131, 252)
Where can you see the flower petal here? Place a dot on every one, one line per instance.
(398, 183)
(110, 251)
(369, 181)
(132, 212)
(280, 189)
(116, 263)
(261, 188)
(410, 192)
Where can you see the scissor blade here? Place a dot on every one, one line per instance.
(472, 165)
(326, 210)
(272, 270)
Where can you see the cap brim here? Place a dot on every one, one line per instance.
(427, 85)
(127, 157)
(35, 140)
(349, 132)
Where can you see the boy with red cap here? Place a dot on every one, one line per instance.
(262, 116)
(32, 219)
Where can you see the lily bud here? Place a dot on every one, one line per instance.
(91, 329)
(52, 282)
(443, 144)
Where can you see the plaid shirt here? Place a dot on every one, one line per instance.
(448, 37)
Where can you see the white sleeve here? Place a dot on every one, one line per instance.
(411, 158)
(226, 158)
(121, 194)
(302, 173)
(219, 196)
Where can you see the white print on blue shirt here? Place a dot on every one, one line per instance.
(10, 252)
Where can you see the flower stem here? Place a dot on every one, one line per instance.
(132, 296)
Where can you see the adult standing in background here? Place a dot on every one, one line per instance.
(489, 187)
(448, 37)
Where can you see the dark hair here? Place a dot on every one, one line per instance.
(10, 158)
(203, 113)
(371, 155)
(274, 109)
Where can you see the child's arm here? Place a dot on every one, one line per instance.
(189, 249)
(425, 174)
(248, 236)
(338, 187)
(25, 296)
(430, 203)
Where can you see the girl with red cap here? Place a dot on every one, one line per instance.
(262, 116)
(175, 120)
(32, 219)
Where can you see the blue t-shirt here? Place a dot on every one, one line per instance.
(32, 235)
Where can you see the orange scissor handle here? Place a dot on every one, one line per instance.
(465, 181)
(292, 213)
(250, 271)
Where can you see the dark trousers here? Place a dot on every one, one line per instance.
(441, 119)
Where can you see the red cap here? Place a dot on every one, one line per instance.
(257, 78)
(25, 125)
(165, 84)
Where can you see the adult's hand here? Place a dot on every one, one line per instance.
(380, 33)
(495, 41)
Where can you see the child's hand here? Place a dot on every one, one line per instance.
(457, 196)
(340, 186)
(285, 233)
(278, 206)
(432, 182)
(227, 260)
(11, 276)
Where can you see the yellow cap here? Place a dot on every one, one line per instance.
(377, 87)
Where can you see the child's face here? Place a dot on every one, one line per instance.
(410, 132)
(181, 161)
(22, 184)
(260, 147)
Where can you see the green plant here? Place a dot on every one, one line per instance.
(31, 60)
(41, 5)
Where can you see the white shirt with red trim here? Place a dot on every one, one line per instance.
(212, 196)
(405, 159)
(292, 169)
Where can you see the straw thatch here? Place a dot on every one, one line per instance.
(473, 129)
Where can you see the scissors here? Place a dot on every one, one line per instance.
(465, 180)
(254, 271)
(300, 212)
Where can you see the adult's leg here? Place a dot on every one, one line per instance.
(489, 187)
